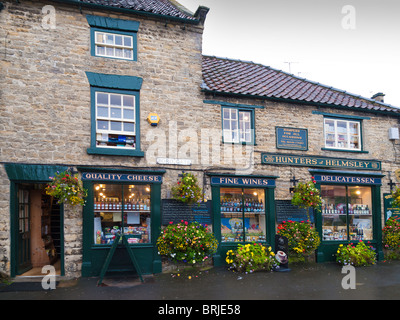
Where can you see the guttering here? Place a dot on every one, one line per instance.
(128, 11)
(310, 103)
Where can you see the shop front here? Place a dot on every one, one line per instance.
(244, 211)
(122, 203)
(350, 211)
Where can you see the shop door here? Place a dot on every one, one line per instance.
(24, 237)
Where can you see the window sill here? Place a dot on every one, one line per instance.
(115, 152)
(344, 150)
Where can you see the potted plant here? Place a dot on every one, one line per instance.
(187, 190)
(307, 196)
(303, 239)
(187, 243)
(67, 188)
(250, 258)
(391, 239)
(356, 255)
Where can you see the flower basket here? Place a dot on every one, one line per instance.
(66, 188)
(188, 243)
(306, 196)
(187, 190)
(303, 240)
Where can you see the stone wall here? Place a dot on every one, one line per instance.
(45, 110)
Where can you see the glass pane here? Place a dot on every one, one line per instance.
(226, 113)
(129, 127)
(102, 125)
(119, 52)
(102, 111)
(118, 40)
(254, 214)
(128, 53)
(115, 113)
(107, 212)
(128, 101)
(100, 37)
(100, 51)
(129, 114)
(110, 51)
(137, 217)
(109, 39)
(232, 224)
(360, 213)
(334, 217)
(227, 124)
(115, 99)
(115, 126)
(102, 98)
(128, 41)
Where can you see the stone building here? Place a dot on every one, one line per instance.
(120, 93)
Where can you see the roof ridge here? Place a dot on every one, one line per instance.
(341, 91)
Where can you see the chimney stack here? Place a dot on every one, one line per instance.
(378, 97)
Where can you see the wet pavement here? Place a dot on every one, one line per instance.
(303, 282)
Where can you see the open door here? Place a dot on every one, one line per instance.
(24, 237)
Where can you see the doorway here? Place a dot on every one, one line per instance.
(38, 229)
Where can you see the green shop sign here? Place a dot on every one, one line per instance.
(324, 162)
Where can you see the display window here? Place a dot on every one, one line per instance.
(122, 209)
(346, 213)
(242, 214)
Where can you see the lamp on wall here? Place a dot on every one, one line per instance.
(293, 181)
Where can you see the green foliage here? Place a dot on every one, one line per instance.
(391, 239)
(396, 198)
(67, 188)
(187, 242)
(187, 190)
(355, 255)
(250, 258)
(302, 237)
(306, 195)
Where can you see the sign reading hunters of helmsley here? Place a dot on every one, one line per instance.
(324, 162)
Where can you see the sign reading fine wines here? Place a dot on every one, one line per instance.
(311, 161)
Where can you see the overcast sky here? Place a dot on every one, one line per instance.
(352, 45)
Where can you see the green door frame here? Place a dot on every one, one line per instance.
(242, 181)
(94, 255)
(32, 174)
(327, 249)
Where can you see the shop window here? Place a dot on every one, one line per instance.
(342, 134)
(124, 210)
(237, 125)
(346, 213)
(242, 214)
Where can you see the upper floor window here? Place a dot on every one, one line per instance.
(114, 45)
(115, 114)
(342, 134)
(113, 38)
(237, 125)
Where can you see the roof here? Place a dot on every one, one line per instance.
(236, 77)
(169, 8)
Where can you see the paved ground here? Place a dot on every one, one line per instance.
(307, 282)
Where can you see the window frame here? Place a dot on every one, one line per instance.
(115, 27)
(94, 148)
(335, 133)
(94, 43)
(239, 131)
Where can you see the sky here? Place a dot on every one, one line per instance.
(352, 45)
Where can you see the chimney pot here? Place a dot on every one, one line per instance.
(378, 97)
